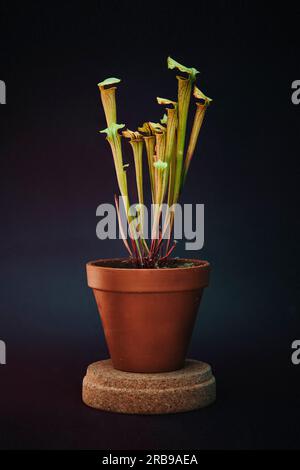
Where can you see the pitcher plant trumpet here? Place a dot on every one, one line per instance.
(168, 162)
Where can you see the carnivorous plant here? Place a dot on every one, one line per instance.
(169, 153)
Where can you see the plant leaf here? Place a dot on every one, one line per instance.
(164, 119)
(166, 101)
(132, 135)
(173, 64)
(156, 127)
(198, 94)
(145, 128)
(160, 165)
(112, 130)
(109, 81)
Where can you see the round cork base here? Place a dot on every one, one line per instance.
(190, 388)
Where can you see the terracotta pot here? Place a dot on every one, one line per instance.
(148, 315)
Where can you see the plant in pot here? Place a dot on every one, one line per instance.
(148, 302)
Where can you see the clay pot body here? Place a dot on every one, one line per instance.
(148, 315)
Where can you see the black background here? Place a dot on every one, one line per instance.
(56, 169)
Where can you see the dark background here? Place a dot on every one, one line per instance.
(56, 169)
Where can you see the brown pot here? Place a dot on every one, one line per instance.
(148, 315)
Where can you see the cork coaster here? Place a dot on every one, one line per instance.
(190, 388)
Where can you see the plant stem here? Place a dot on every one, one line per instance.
(108, 98)
(150, 146)
(184, 95)
(197, 124)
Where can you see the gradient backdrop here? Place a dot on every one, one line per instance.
(56, 169)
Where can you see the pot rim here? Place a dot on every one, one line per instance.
(147, 280)
(201, 264)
